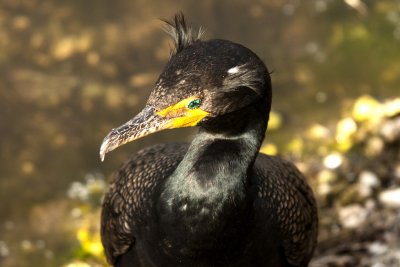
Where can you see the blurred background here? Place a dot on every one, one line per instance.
(71, 70)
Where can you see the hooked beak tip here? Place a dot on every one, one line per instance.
(103, 150)
(146, 122)
(106, 146)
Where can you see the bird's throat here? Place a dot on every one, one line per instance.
(204, 201)
(211, 179)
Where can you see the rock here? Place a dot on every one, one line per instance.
(391, 130)
(374, 146)
(333, 160)
(390, 198)
(352, 216)
(325, 178)
(367, 181)
(377, 248)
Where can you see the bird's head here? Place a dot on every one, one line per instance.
(202, 81)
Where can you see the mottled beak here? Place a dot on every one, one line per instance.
(181, 114)
(144, 123)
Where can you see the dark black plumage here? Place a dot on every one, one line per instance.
(216, 201)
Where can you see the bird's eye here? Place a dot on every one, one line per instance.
(194, 104)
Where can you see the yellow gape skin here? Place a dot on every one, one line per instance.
(181, 115)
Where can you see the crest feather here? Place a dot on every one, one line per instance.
(182, 34)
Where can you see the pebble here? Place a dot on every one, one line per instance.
(367, 180)
(390, 198)
(325, 178)
(391, 130)
(377, 248)
(352, 216)
(333, 160)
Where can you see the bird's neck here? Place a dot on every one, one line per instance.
(215, 167)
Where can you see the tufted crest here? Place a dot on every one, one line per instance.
(182, 34)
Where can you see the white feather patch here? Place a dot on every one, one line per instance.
(233, 70)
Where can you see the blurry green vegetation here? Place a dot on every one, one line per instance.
(72, 70)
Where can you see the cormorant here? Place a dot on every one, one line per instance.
(216, 201)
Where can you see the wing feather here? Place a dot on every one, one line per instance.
(287, 199)
(131, 195)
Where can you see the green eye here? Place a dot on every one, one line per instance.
(194, 104)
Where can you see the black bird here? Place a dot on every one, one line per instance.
(216, 201)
